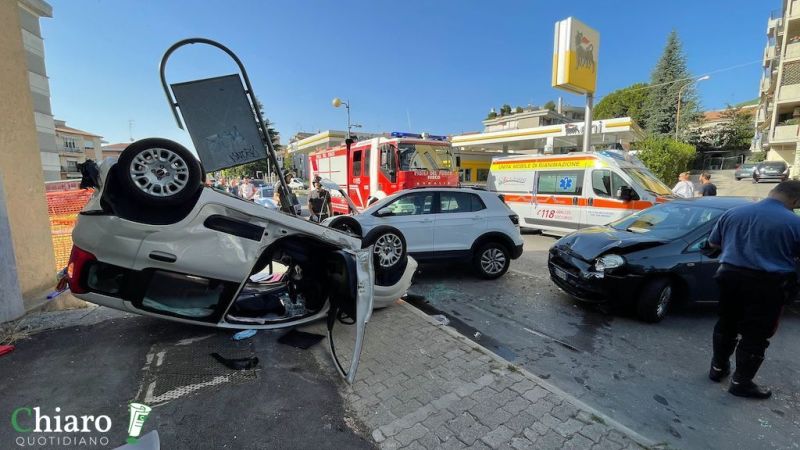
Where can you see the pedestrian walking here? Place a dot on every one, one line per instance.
(707, 188)
(319, 202)
(684, 188)
(756, 278)
(247, 190)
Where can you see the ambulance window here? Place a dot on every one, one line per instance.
(606, 183)
(561, 182)
(356, 168)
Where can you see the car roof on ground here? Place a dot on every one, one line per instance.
(717, 202)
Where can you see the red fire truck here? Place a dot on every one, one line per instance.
(382, 166)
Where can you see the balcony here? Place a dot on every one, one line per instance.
(773, 25)
(784, 133)
(769, 55)
(792, 51)
(766, 84)
(793, 9)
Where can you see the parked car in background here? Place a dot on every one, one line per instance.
(771, 170)
(440, 224)
(298, 183)
(647, 261)
(265, 196)
(744, 170)
(153, 240)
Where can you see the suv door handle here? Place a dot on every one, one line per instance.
(591, 201)
(574, 200)
(163, 256)
(427, 220)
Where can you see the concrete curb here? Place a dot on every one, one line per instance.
(633, 435)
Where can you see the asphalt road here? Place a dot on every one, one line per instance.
(652, 378)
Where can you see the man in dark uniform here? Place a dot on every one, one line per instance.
(287, 177)
(756, 277)
(319, 202)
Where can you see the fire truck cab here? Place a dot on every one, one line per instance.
(381, 166)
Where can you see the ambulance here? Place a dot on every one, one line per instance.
(559, 194)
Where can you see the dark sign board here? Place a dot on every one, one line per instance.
(220, 121)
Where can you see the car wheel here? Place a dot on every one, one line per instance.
(389, 251)
(655, 300)
(738, 179)
(346, 224)
(491, 260)
(159, 172)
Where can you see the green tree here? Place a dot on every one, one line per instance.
(492, 115)
(625, 102)
(666, 157)
(733, 133)
(518, 110)
(550, 105)
(667, 79)
(505, 110)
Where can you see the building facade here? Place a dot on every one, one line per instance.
(30, 11)
(26, 250)
(75, 147)
(112, 150)
(778, 115)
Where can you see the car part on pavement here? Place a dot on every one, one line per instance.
(300, 339)
(248, 363)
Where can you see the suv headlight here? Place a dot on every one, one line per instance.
(607, 262)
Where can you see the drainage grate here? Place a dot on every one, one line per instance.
(174, 370)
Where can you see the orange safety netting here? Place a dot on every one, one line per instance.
(63, 208)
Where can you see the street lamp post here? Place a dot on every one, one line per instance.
(680, 95)
(337, 102)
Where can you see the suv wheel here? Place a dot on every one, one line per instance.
(491, 260)
(159, 172)
(346, 224)
(389, 251)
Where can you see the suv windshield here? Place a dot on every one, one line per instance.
(425, 157)
(648, 181)
(668, 220)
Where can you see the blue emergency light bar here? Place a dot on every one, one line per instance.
(401, 134)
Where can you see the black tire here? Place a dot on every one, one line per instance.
(346, 224)
(145, 176)
(655, 300)
(491, 261)
(386, 255)
(738, 178)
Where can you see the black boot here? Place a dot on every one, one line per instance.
(720, 362)
(742, 384)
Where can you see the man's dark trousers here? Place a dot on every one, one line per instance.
(750, 305)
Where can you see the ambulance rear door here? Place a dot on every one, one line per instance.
(516, 186)
(558, 202)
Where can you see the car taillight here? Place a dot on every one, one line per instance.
(514, 219)
(77, 262)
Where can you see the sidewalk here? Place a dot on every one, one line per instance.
(423, 385)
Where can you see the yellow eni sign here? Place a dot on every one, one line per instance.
(575, 57)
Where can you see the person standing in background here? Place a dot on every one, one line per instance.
(247, 190)
(684, 188)
(707, 188)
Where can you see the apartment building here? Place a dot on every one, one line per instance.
(74, 147)
(778, 114)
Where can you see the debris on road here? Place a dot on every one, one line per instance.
(441, 319)
(300, 339)
(5, 349)
(244, 334)
(238, 363)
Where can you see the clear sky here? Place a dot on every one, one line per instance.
(412, 65)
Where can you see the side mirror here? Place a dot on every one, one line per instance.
(383, 212)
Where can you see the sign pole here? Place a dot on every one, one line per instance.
(587, 126)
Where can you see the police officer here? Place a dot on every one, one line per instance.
(756, 277)
(319, 201)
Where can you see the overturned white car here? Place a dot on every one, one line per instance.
(152, 240)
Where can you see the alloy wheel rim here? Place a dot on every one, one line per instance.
(663, 301)
(389, 249)
(159, 172)
(492, 261)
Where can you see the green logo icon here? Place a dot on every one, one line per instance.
(139, 413)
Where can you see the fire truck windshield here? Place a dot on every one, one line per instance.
(425, 157)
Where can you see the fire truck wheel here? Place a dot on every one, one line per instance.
(159, 172)
(389, 249)
(346, 224)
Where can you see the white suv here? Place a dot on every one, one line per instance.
(439, 223)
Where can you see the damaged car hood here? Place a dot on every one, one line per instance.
(590, 243)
